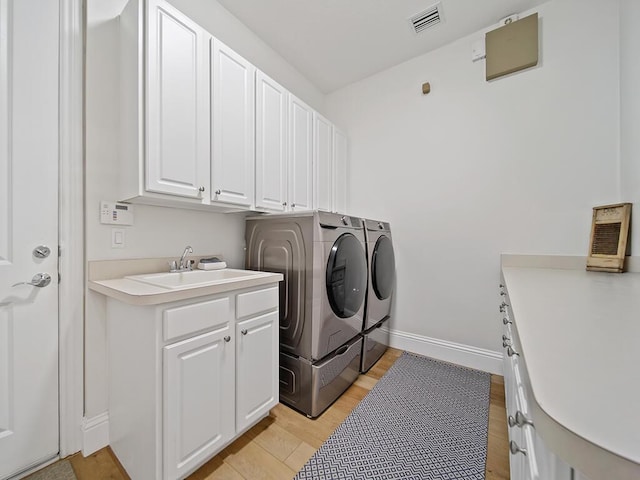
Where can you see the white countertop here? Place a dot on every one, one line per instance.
(580, 339)
(138, 293)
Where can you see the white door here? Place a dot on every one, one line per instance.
(300, 182)
(233, 113)
(177, 103)
(271, 144)
(29, 40)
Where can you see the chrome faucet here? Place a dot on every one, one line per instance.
(183, 264)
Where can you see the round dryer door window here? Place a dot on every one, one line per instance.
(383, 267)
(346, 276)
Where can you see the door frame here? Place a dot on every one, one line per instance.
(71, 225)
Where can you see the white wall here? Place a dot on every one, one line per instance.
(478, 168)
(630, 112)
(158, 232)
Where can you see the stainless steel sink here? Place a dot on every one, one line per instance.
(195, 278)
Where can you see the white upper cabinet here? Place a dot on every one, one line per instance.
(323, 160)
(177, 103)
(300, 181)
(232, 140)
(271, 144)
(339, 171)
(202, 128)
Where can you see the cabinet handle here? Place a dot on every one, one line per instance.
(218, 192)
(506, 341)
(511, 352)
(227, 339)
(243, 331)
(506, 321)
(512, 421)
(201, 189)
(514, 448)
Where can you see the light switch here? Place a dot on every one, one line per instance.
(117, 238)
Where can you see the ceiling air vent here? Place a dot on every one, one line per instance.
(427, 18)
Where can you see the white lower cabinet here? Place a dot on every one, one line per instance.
(257, 381)
(186, 378)
(529, 458)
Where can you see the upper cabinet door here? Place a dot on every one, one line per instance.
(339, 171)
(233, 104)
(177, 103)
(300, 183)
(271, 144)
(323, 159)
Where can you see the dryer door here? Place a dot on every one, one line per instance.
(383, 267)
(346, 276)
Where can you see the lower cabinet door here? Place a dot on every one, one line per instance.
(257, 368)
(198, 400)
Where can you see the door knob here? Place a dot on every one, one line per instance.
(39, 280)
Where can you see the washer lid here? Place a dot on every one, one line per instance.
(346, 276)
(383, 268)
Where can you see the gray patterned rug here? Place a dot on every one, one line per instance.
(424, 420)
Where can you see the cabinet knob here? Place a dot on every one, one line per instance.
(522, 420)
(284, 204)
(501, 286)
(514, 448)
(506, 321)
(511, 421)
(218, 192)
(227, 339)
(511, 352)
(244, 331)
(201, 189)
(503, 293)
(293, 205)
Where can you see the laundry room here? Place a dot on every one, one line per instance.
(377, 218)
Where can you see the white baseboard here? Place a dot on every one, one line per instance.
(95, 433)
(465, 355)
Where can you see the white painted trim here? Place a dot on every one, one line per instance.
(71, 226)
(465, 355)
(95, 433)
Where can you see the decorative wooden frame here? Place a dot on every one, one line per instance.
(609, 244)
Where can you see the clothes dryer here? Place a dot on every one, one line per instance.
(322, 257)
(381, 284)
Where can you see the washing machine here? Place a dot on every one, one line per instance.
(322, 258)
(381, 283)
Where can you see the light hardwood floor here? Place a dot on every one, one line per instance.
(278, 446)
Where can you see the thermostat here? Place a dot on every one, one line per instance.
(115, 213)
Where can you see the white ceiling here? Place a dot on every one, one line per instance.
(337, 42)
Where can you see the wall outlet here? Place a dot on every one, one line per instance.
(478, 50)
